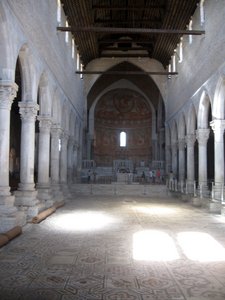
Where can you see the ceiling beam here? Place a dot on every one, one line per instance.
(131, 30)
(121, 48)
(124, 55)
(126, 73)
(122, 41)
(133, 8)
(99, 21)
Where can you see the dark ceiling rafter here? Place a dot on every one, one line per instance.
(126, 73)
(160, 24)
(131, 30)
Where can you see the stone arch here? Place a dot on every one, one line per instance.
(174, 132)
(72, 124)
(150, 64)
(122, 83)
(65, 116)
(191, 120)
(6, 57)
(56, 108)
(203, 111)
(29, 82)
(44, 95)
(181, 126)
(218, 111)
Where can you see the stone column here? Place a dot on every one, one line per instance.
(9, 216)
(63, 165)
(43, 185)
(202, 137)
(218, 127)
(190, 140)
(174, 159)
(26, 195)
(70, 161)
(181, 147)
(55, 158)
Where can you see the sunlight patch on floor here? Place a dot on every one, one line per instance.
(159, 210)
(83, 221)
(153, 245)
(200, 246)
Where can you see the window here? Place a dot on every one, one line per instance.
(73, 48)
(59, 12)
(190, 28)
(81, 68)
(181, 51)
(67, 33)
(78, 61)
(123, 139)
(202, 12)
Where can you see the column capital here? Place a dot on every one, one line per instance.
(28, 110)
(190, 140)
(218, 125)
(45, 123)
(202, 136)
(174, 146)
(181, 144)
(56, 131)
(8, 91)
(65, 136)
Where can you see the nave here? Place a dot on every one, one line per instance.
(118, 247)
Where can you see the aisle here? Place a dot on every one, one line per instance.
(118, 248)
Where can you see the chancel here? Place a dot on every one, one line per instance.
(112, 149)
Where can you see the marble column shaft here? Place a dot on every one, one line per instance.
(7, 94)
(55, 136)
(70, 159)
(63, 158)
(28, 112)
(202, 137)
(44, 151)
(174, 159)
(190, 141)
(218, 127)
(181, 147)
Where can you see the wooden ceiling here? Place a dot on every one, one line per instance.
(128, 28)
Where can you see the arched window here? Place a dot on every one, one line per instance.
(123, 139)
(59, 12)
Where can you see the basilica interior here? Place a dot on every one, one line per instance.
(112, 149)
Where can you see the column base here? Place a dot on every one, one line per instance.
(215, 207)
(66, 191)
(27, 201)
(197, 202)
(57, 194)
(9, 215)
(45, 195)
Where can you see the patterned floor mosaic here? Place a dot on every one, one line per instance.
(118, 248)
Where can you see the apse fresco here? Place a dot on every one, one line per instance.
(122, 110)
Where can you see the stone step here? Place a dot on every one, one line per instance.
(156, 190)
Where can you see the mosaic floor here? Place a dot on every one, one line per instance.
(118, 248)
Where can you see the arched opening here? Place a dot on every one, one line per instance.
(15, 133)
(123, 129)
(123, 139)
(210, 151)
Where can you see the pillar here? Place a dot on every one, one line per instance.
(174, 159)
(181, 175)
(9, 215)
(70, 162)
(26, 195)
(55, 158)
(64, 165)
(202, 137)
(43, 185)
(218, 127)
(190, 141)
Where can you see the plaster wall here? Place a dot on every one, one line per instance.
(34, 23)
(203, 62)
